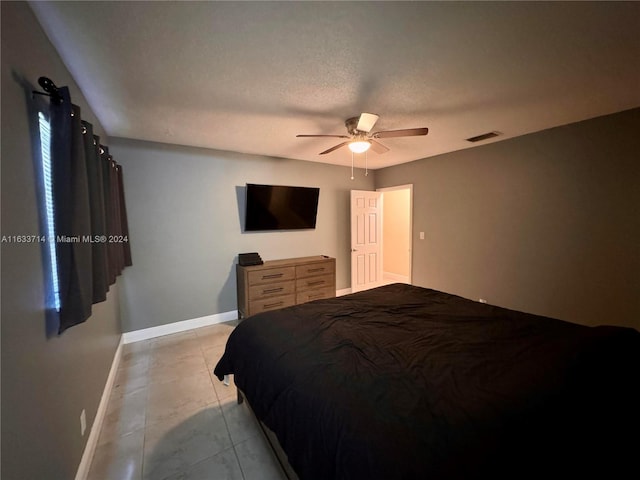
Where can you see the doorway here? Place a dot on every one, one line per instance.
(381, 235)
(397, 228)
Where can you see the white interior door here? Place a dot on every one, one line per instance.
(366, 240)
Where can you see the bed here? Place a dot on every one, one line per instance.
(404, 382)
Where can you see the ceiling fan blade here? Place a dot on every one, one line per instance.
(334, 148)
(407, 132)
(367, 121)
(332, 136)
(378, 147)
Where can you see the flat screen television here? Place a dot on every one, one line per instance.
(279, 207)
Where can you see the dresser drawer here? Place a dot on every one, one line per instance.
(271, 289)
(327, 292)
(270, 275)
(262, 305)
(315, 282)
(319, 268)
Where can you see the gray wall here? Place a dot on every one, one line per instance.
(185, 207)
(46, 382)
(548, 223)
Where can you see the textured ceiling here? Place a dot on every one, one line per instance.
(249, 76)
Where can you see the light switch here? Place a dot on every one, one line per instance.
(421, 235)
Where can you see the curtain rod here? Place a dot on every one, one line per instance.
(50, 90)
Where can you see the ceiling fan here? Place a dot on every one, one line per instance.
(360, 138)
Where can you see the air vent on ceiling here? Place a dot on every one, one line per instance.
(484, 136)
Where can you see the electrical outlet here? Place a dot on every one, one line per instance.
(83, 422)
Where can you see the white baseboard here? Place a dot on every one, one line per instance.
(343, 291)
(177, 327)
(94, 434)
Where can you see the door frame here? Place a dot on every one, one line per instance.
(408, 186)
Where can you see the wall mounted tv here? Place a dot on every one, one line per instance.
(278, 207)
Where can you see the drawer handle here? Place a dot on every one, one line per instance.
(273, 275)
(313, 270)
(273, 290)
(318, 282)
(269, 305)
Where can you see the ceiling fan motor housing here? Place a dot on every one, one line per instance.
(351, 124)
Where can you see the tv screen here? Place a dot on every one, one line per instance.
(278, 207)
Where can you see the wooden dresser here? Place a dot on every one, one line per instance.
(282, 283)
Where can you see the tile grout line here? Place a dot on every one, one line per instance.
(224, 417)
(146, 409)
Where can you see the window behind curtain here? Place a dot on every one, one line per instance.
(47, 179)
(78, 246)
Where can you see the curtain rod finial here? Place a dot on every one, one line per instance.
(51, 89)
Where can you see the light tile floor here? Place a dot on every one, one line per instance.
(170, 418)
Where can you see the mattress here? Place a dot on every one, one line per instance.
(404, 382)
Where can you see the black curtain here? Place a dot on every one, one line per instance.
(116, 234)
(124, 223)
(71, 213)
(92, 243)
(118, 247)
(97, 208)
(112, 266)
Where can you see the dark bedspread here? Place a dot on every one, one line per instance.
(402, 382)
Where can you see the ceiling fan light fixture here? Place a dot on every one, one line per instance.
(359, 146)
